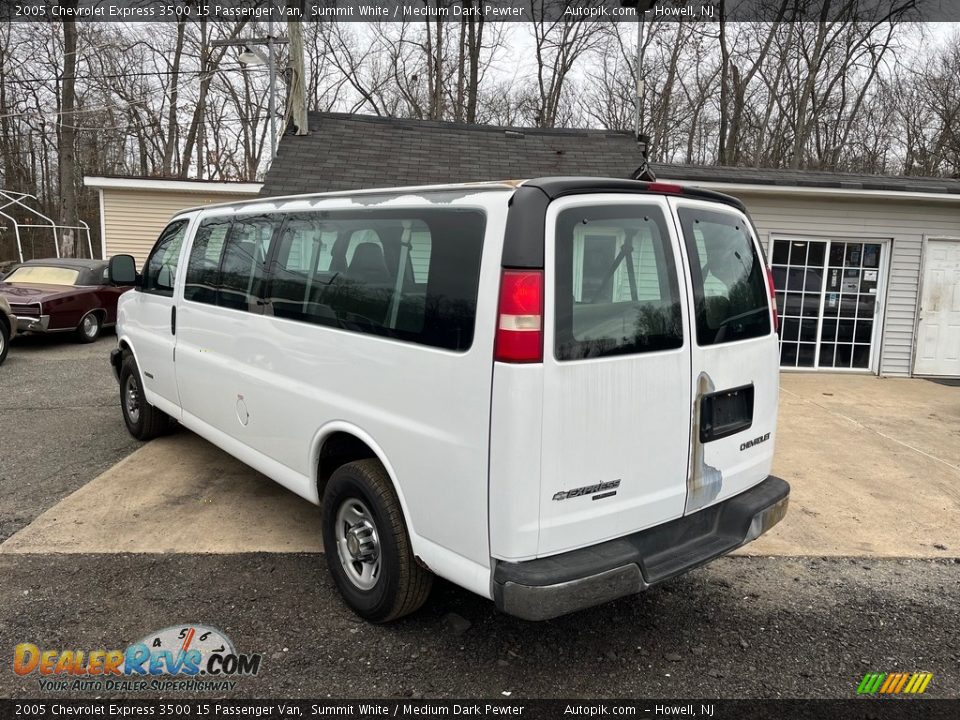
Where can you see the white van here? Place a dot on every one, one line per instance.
(553, 393)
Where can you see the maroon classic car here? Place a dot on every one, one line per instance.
(62, 295)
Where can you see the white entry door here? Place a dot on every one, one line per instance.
(938, 333)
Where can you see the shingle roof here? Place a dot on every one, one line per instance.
(807, 178)
(349, 152)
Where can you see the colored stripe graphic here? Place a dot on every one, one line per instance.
(894, 683)
(871, 683)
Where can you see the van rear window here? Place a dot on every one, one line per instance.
(616, 283)
(729, 282)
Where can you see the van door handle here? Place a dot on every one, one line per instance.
(173, 320)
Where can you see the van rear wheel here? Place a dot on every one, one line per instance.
(367, 545)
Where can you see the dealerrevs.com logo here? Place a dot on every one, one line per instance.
(181, 658)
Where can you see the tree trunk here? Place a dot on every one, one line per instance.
(724, 88)
(67, 135)
(171, 143)
(475, 44)
(209, 60)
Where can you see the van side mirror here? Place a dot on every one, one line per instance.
(122, 270)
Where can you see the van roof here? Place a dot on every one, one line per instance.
(552, 187)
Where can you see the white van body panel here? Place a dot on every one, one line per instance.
(723, 468)
(271, 384)
(624, 418)
(479, 450)
(143, 323)
(515, 459)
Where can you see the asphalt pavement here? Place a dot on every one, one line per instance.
(60, 423)
(740, 627)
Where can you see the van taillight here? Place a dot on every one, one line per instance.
(662, 187)
(773, 300)
(519, 336)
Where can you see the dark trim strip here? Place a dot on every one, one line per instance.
(526, 217)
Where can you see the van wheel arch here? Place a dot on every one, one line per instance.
(125, 350)
(341, 447)
(336, 450)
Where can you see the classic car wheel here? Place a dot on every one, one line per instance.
(89, 328)
(142, 419)
(4, 341)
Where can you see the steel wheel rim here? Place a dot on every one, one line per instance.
(90, 325)
(358, 544)
(131, 399)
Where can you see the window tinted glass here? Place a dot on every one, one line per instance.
(244, 261)
(729, 286)
(405, 274)
(203, 267)
(160, 270)
(617, 289)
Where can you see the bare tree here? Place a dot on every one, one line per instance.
(66, 130)
(558, 44)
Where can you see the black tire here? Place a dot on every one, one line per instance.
(143, 421)
(401, 585)
(4, 340)
(89, 328)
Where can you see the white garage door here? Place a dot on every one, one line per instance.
(938, 334)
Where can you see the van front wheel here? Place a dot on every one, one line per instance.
(367, 545)
(142, 419)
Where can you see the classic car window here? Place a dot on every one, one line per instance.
(43, 275)
(161, 268)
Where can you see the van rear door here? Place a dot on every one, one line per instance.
(616, 367)
(735, 372)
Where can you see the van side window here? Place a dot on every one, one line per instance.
(244, 262)
(616, 283)
(160, 270)
(409, 275)
(729, 284)
(203, 267)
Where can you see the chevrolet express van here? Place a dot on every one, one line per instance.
(553, 393)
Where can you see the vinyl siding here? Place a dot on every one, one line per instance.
(133, 219)
(904, 223)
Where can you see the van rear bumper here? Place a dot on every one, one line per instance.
(556, 585)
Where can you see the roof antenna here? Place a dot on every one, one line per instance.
(644, 172)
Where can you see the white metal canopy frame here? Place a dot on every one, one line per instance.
(9, 198)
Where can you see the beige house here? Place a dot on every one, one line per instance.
(133, 211)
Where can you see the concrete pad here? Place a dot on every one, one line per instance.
(177, 494)
(874, 465)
